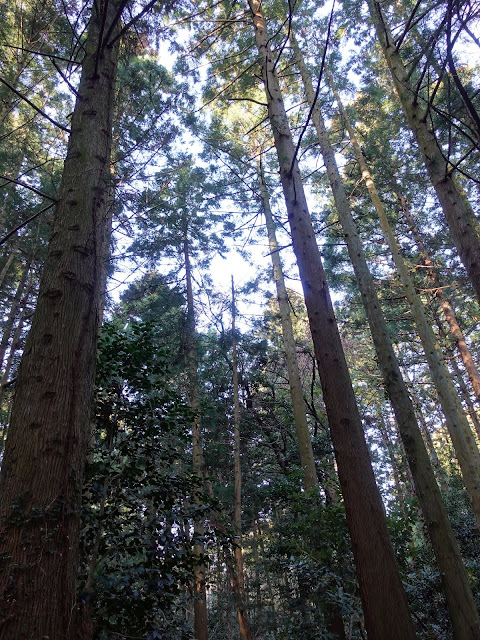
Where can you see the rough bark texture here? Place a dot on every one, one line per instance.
(458, 212)
(384, 602)
(42, 472)
(462, 608)
(303, 435)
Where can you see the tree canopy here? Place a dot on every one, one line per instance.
(239, 293)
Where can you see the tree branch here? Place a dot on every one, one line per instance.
(37, 109)
(23, 224)
(26, 186)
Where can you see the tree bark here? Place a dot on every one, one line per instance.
(384, 602)
(41, 477)
(307, 459)
(7, 266)
(448, 310)
(462, 610)
(458, 212)
(200, 591)
(8, 326)
(238, 584)
(14, 346)
(455, 419)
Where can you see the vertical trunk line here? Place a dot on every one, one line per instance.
(384, 602)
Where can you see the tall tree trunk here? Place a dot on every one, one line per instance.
(333, 617)
(239, 584)
(14, 346)
(458, 212)
(7, 266)
(462, 610)
(307, 459)
(456, 421)
(446, 306)
(41, 478)
(200, 591)
(466, 396)
(384, 602)
(397, 476)
(14, 308)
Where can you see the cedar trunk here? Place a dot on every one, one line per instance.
(456, 421)
(384, 602)
(448, 310)
(298, 405)
(459, 214)
(200, 591)
(459, 596)
(41, 477)
(238, 584)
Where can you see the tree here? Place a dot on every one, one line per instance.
(362, 500)
(42, 471)
(465, 620)
(456, 207)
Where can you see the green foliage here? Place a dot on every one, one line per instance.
(135, 539)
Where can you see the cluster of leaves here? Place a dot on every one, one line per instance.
(136, 543)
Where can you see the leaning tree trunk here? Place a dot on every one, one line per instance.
(462, 607)
(459, 214)
(333, 617)
(448, 310)
(457, 424)
(307, 459)
(384, 602)
(41, 477)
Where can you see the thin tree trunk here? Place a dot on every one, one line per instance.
(7, 266)
(445, 304)
(382, 427)
(307, 459)
(14, 346)
(268, 581)
(200, 591)
(466, 396)
(258, 589)
(239, 583)
(458, 212)
(333, 617)
(16, 302)
(456, 421)
(462, 609)
(41, 477)
(384, 602)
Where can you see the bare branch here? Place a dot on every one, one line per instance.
(322, 66)
(26, 186)
(24, 224)
(37, 109)
(40, 53)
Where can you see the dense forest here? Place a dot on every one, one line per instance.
(240, 303)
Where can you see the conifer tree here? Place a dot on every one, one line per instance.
(363, 504)
(41, 477)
